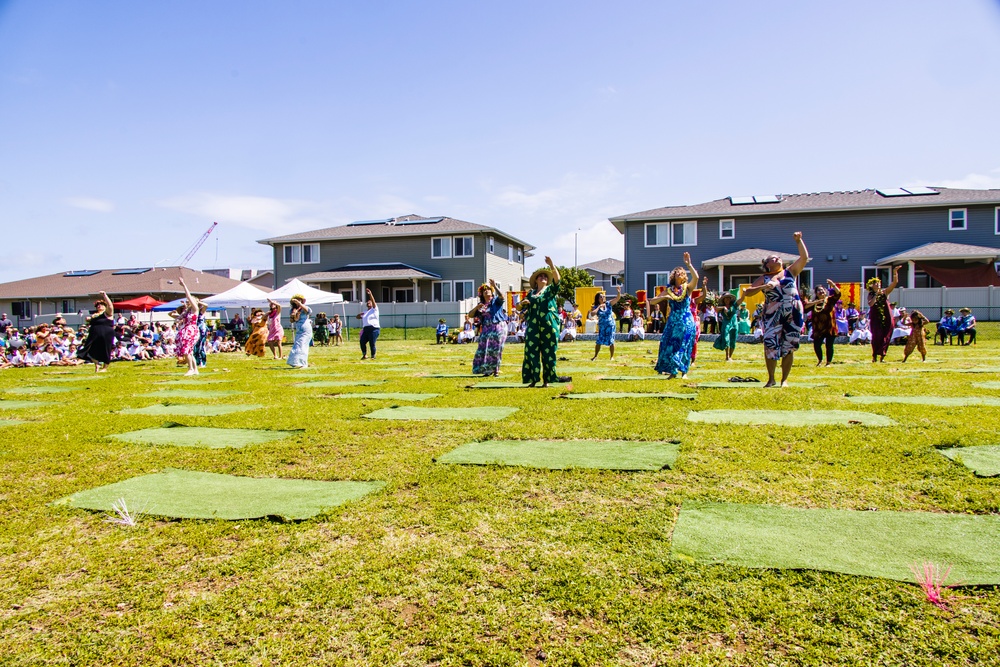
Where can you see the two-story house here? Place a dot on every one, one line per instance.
(939, 236)
(406, 259)
(607, 273)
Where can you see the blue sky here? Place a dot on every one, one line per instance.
(127, 128)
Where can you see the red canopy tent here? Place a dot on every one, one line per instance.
(143, 304)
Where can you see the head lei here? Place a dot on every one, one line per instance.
(299, 298)
(871, 283)
(484, 287)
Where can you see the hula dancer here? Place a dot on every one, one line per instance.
(322, 331)
(541, 316)
(824, 325)
(187, 333)
(605, 322)
(679, 330)
(100, 335)
(880, 314)
(275, 334)
(493, 333)
(728, 324)
(299, 356)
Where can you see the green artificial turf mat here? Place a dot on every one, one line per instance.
(984, 460)
(600, 395)
(943, 401)
(893, 376)
(179, 435)
(189, 409)
(986, 385)
(191, 393)
(451, 375)
(635, 377)
(562, 454)
(789, 417)
(77, 378)
(340, 383)
(387, 396)
(976, 369)
(183, 494)
(870, 544)
(754, 385)
(11, 422)
(191, 381)
(21, 405)
(510, 385)
(41, 390)
(410, 412)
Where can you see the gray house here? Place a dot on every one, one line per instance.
(607, 273)
(403, 260)
(939, 236)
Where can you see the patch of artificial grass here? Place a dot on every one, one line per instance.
(408, 412)
(179, 435)
(511, 385)
(183, 494)
(943, 401)
(564, 454)
(789, 417)
(755, 385)
(986, 385)
(189, 409)
(869, 544)
(339, 383)
(191, 381)
(22, 405)
(983, 460)
(387, 396)
(11, 422)
(601, 395)
(41, 390)
(191, 393)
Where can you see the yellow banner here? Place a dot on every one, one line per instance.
(585, 298)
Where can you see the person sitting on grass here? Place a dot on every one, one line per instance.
(568, 334)
(442, 331)
(638, 330)
(966, 327)
(901, 330)
(468, 332)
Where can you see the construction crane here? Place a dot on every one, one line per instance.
(197, 245)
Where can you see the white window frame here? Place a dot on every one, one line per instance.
(489, 240)
(645, 281)
(472, 247)
(616, 281)
(397, 290)
(443, 283)
(645, 235)
(996, 220)
(297, 254)
(520, 256)
(876, 270)
(798, 278)
(732, 222)
(454, 289)
(315, 253)
(694, 226)
(510, 253)
(951, 219)
(446, 246)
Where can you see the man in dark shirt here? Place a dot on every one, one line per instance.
(4, 323)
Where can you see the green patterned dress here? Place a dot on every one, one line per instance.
(541, 338)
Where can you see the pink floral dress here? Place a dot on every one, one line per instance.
(187, 336)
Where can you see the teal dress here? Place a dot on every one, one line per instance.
(728, 329)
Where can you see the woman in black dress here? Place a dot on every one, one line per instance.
(100, 336)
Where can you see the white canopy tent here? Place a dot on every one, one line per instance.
(242, 296)
(312, 295)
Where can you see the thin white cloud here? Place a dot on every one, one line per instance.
(593, 241)
(92, 204)
(987, 181)
(262, 214)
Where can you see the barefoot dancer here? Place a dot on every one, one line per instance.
(299, 356)
(679, 330)
(605, 322)
(541, 314)
(100, 335)
(824, 325)
(782, 317)
(880, 315)
(275, 334)
(728, 310)
(187, 330)
(493, 334)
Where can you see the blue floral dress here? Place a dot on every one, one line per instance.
(492, 337)
(677, 341)
(605, 325)
(783, 317)
(299, 356)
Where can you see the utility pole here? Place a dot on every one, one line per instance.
(576, 247)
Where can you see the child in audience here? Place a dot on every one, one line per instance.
(918, 337)
(442, 331)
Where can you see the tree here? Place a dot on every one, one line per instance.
(569, 279)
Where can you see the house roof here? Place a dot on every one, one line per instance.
(943, 252)
(748, 256)
(607, 266)
(406, 225)
(394, 271)
(161, 281)
(813, 202)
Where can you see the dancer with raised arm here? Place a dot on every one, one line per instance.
(299, 356)
(541, 315)
(370, 327)
(258, 334)
(100, 335)
(824, 325)
(880, 315)
(728, 324)
(782, 316)
(493, 333)
(187, 330)
(679, 330)
(275, 333)
(604, 310)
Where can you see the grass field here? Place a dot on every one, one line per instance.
(481, 565)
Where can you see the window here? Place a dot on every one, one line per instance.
(441, 291)
(68, 306)
(463, 246)
(806, 278)
(654, 279)
(464, 289)
(616, 281)
(727, 229)
(684, 233)
(21, 309)
(869, 272)
(520, 257)
(490, 240)
(441, 247)
(310, 253)
(957, 219)
(403, 295)
(293, 254)
(736, 280)
(510, 253)
(347, 294)
(996, 220)
(657, 234)
(386, 295)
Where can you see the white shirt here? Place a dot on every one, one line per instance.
(370, 318)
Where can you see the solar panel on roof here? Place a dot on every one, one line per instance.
(736, 201)
(920, 190)
(361, 223)
(130, 272)
(767, 199)
(424, 221)
(893, 192)
(80, 274)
